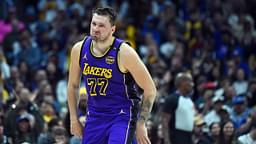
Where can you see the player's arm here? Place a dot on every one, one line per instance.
(74, 82)
(131, 62)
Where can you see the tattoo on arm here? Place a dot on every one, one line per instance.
(145, 110)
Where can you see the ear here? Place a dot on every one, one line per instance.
(113, 29)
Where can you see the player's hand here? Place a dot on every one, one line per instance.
(76, 128)
(141, 133)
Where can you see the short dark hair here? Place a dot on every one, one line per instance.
(182, 76)
(106, 11)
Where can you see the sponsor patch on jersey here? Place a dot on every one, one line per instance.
(110, 60)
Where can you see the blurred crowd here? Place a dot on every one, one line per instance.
(214, 40)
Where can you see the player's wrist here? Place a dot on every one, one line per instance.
(73, 118)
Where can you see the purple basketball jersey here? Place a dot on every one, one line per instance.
(113, 101)
(108, 88)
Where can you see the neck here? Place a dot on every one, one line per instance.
(227, 138)
(103, 45)
(184, 93)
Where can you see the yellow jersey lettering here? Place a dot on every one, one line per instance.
(87, 70)
(103, 72)
(85, 66)
(92, 70)
(97, 71)
(108, 73)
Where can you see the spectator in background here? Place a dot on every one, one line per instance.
(229, 93)
(24, 73)
(204, 103)
(179, 111)
(214, 115)
(30, 51)
(10, 24)
(61, 95)
(48, 111)
(167, 48)
(252, 94)
(5, 68)
(214, 132)
(53, 74)
(250, 137)
(40, 75)
(24, 132)
(25, 102)
(3, 137)
(60, 135)
(227, 133)
(241, 83)
(199, 136)
(14, 77)
(46, 137)
(240, 112)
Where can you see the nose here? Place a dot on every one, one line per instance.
(95, 27)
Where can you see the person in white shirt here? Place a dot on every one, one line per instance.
(249, 138)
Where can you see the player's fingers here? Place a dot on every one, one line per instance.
(76, 132)
(145, 140)
(139, 141)
(80, 134)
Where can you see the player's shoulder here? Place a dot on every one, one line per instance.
(78, 45)
(126, 49)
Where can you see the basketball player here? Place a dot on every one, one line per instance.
(109, 68)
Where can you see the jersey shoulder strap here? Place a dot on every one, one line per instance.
(118, 43)
(86, 44)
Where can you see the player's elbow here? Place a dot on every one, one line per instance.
(153, 91)
(150, 92)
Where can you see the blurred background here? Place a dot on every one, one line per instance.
(214, 40)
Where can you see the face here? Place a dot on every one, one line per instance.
(228, 129)
(215, 130)
(23, 125)
(240, 74)
(24, 95)
(15, 72)
(188, 85)
(101, 28)
(198, 129)
(51, 68)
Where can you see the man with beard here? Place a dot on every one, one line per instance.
(110, 69)
(179, 112)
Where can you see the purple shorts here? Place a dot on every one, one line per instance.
(102, 128)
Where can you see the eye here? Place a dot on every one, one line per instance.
(101, 25)
(93, 23)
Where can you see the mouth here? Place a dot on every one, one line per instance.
(96, 34)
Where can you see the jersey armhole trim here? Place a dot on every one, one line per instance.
(81, 50)
(119, 61)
